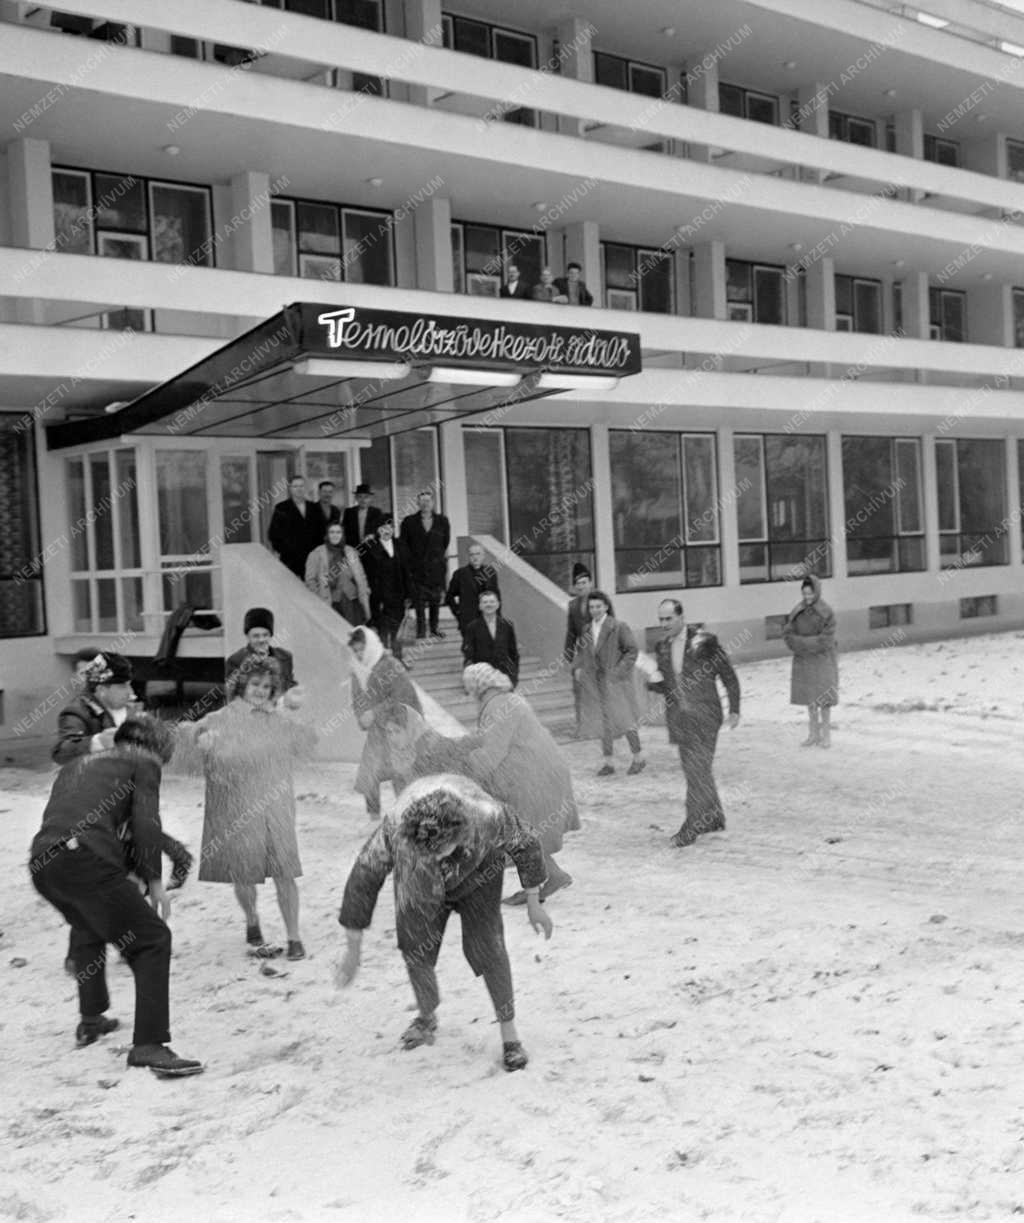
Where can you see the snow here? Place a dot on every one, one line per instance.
(813, 1016)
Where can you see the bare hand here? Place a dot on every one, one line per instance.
(159, 899)
(294, 697)
(346, 968)
(734, 720)
(538, 916)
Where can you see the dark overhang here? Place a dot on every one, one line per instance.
(316, 371)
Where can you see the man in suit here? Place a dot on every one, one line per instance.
(573, 288)
(390, 584)
(514, 285)
(576, 626)
(322, 513)
(690, 661)
(424, 541)
(291, 527)
(258, 628)
(468, 584)
(360, 521)
(492, 639)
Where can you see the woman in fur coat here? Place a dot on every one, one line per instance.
(335, 574)
(810, 632)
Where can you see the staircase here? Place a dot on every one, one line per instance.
(437, 668)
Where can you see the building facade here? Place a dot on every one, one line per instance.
(809, 213)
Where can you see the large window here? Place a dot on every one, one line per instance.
(748, 104)
(884, 518)
(481, 255)
(851, 129)
(550, 499)
(858, 304)
(1015, 160)
(636, 278)
(755, 292)
(942, 152)
(484, 457)
(948, 315)
(630, 75)
(21, 557)
(1018, 318)
(398, 468)
(332, 242)
(971, 477)
(493, 42)
(186, 569)
(782, 507)
(665, 510)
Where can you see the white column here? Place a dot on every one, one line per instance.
(728, 514)
(1013, 504)
(575, 61)
(702, 92)
(916, 311)
(930, 497)
(990, 314)
(581, 243)
(432, 228)
(709, 279)
(820, 286)
(812, 109)
(423, 24)
(30, 184)
(252, 242)
(453, 467)
(604, 534)
(909, 131)
(836, 501)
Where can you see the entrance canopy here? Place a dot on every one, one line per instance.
(315, 371)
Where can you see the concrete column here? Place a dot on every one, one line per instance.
(681, 282)
(423, 24)
(581, 243)
(575, 61)
(990, 315)
(728, 522)
(812, 112)
(930, 497)
(1013, 504)
(453, 468)
(252, 243)
(30, 184)
(702, 92)
(836, 501)
(916, 312)
(432, 227)
(709, 279)
(909, 130)
(821, 295)
(604, 533)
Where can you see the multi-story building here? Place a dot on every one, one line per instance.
(809, 214)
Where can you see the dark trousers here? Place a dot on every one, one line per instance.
(697, 756)
(387, 621)
(427, 598)
(102, 905)
(483, 943)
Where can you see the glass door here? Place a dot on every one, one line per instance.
(273, 467)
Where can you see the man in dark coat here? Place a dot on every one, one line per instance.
(292, 527)
(360, 521)
(101, 803)
(321, 513)
(691, 660)
(258, 627)
(573, 287)
(492, 639)
(424, 540)
(390, 584)
(467, 585)
(514, 285)
(576, 626)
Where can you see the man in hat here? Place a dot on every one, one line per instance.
(467, 585)
(360, 521)
(292, 527)
(322, 513)
(576, 626)
(258, 627)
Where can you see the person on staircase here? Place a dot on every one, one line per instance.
(491, 639)
(424, 539)
(468, 583)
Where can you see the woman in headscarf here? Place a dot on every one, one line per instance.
(247, 751)
(516, 760)
(810, 632)
(335, 574)
(379, 682)
(605, 658)
(446, 842)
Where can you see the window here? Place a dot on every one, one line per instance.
(637, 278)
(332, 242)
(21, 558)
(748, 104)
(618, 73)
(493, 42)
(484, 453)
(755, 292)
(858, 304)
(884, 517)
(979, 605)
(106, 552)
(1018, 318)
(782, 507)
(397, 468)
(850, 129)
(971, 478)
(942, 152)
(948, 315)
(550, 499)
(890, 615)
(482, 254)
(1015, 160)
(184, 528)
(665, 510)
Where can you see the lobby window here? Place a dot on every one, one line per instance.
(398, 468)
(665, 510)
(755, 292)
(1018, 318)
(332, 242)
(850, 129)
(22, 557)
(1015, 160)
(942, 152)
(971, 478)
(488, 41)
(636, 278)
(947, 310)
(858, 304)
(748, 104)
(884, 516)
(186, 568)
(618, 73)
(550, 499)
(104, 542)
(781, 493)
(481, 255)
(486, 495)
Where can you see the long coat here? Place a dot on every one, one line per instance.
(692, 692)
(319, 521)
(352, 576)
(388, 685)
(519, 763)
(465, 589)
(389, 580)
(77, 722)
(607, 696)
(292, 534)
(247, 755)
(350, 526)
(810, 632)
(425, 551)
(576, 624)
(501, 650)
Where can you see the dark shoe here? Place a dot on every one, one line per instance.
(162, 1060)
(637, 766)
(685, 836)
(606, 770)
(519, 898)
(92, 1028)
(254, 935)
(513, 1055)
(420, 1032)
(265, 951)
(296, 951)
(810, 741)
(183, 862)
(436, 632)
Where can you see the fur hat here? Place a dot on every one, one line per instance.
(580, 570)
(364, 488)
(259, 617)
(107, 668)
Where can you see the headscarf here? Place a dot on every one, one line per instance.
(480, 677)
(372, 654)
(817, 604)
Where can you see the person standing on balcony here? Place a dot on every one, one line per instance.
(335, 574)
(293, 527)
(323, 512)
(514, 285)
(360, 521)
(467, 585)
(573, 287)
(576, 626)
(424, 540)
(491, 639)
(258, 627)
(604, 664)
(390, 585)
(546, 290)
(810, 633)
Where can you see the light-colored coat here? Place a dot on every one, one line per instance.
(810, 632)
(608, 697)
(353, 576)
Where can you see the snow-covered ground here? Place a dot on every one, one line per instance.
(816, 1015)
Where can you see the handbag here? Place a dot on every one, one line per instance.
(407, 629)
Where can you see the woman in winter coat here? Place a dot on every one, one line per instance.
(810, 632)
(518, 763)
(379, 682)
(335, 574)
(247, 750)
(605, 657)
